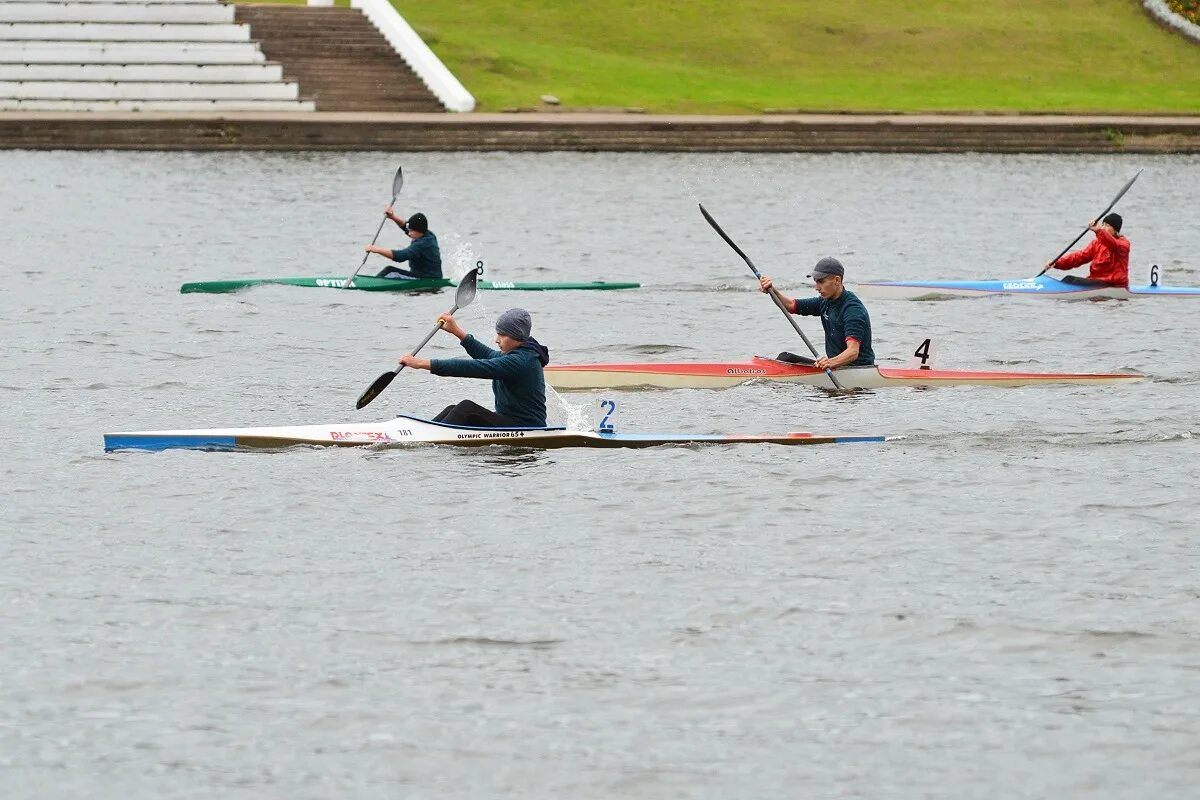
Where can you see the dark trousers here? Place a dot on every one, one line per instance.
(396, 272)
(1075, 280)
(792, 358)
(470, 413)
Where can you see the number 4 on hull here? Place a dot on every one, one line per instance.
(924, 355)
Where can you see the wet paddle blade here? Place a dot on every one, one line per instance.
(375, 389)
(467, 288)
(397, 183)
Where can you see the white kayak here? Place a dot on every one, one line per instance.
(411, 431)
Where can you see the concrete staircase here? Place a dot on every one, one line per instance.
(338, 57)
(135, 55)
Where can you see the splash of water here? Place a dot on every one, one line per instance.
(463, 257)
(574, 417)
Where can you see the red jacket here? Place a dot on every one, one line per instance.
(1109, 256)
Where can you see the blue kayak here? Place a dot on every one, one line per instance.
(1042, 286)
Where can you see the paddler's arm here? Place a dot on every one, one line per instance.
(450, 326)
(399, 255)
(765, 284)
(501, 368)
(847, 356)
(391, 214)
(1110, 242)
(1076, 259)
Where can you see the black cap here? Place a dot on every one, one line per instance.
(1115, 220)
(417, 222)
(827, 266)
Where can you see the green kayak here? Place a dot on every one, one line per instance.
(370, 284)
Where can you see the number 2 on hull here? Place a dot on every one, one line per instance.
(610, 407)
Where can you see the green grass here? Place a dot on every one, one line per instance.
(697, 56)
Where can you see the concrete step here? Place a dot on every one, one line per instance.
(304, 27)
(52, 52)
(339, 57)
(123, 32)
(192, 73)
(115, 12)
(12, 104)
(146, 90)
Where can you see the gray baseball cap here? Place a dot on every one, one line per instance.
(827, 266)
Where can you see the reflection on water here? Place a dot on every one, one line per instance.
(508, 462)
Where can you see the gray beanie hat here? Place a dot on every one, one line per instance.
(515, 323)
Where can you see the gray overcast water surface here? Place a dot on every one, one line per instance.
(1005, 604)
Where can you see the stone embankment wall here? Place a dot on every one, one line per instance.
(593, 132)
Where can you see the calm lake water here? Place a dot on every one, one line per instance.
(1005, 604)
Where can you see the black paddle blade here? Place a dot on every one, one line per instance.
(375, 389)
(728, 241)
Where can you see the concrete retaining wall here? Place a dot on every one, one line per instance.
(596, 132)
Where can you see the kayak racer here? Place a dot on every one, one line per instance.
(423, 255)
(515, 370)
(1108, 254)
(843, 316)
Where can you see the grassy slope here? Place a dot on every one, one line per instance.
(707, 56)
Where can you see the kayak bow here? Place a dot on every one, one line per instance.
(725, 375)
(405, 431)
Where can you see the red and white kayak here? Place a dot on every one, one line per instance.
(726, 374)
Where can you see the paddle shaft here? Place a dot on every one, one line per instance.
(381, 383)
(773, 292)
(425, 341)
(1066, 249)
(397, 185)
(374, 239)
(462, 298)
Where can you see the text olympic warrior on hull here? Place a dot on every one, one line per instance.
(515, 370)
(843, 316)
(423, 255)
(1108, 254)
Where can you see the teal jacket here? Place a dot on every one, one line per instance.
(423, 255)
(842, 319)
(517, 378)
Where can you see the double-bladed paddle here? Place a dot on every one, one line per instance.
(462, 299)
(1120, 194)
(397, 185)
(774, 291)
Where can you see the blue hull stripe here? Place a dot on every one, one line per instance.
(169, 442)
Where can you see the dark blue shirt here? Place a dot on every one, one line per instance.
(424, 256)
(842, 319)
(517, 378)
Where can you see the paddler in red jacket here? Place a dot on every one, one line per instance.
(1108, 254)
